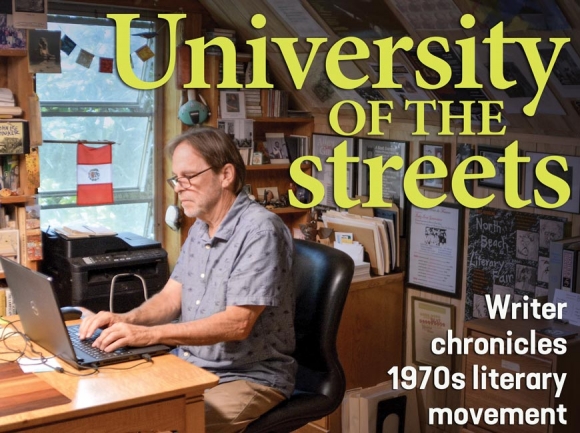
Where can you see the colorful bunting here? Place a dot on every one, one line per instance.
(106, 65)
(67, 45)
(85, 58)
(144, 53)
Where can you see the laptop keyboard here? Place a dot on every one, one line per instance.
(85, 345)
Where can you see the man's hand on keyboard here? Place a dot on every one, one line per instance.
(122, 334)
(92, 322)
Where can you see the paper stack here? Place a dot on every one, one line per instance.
(8, 107)
(81, 230)
(345, 242)
(378, 237)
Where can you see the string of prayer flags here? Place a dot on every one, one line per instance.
(94, 175)
(106, 65)
(144, 53)
(85, 58)
(67, 45)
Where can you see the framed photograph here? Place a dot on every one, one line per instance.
(257, 158)
(268, 194)
(435, 240)
(276, 147)
(430, 320)
(14, 139)
(232, 105)
(392, 179)
(443, 152)
(462, 152)
(571, 177)
(492, 153)
(323, 146)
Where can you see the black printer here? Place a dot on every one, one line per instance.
(83, 269)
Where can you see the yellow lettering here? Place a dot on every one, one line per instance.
(304, 180)
(123, 50)
(340, 159)
(559, 185)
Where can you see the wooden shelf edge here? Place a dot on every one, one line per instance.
(259, 167)
(282, 119)
(16, 199)
(286, 210)
(13, 53)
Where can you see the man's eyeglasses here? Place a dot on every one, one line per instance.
(184, 181)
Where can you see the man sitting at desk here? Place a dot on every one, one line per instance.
(231, 288)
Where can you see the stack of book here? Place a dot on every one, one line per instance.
(8, 108)
(253, 106)
(275, 102)
(215, 33)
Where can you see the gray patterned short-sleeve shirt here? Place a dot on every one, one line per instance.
(247, 262)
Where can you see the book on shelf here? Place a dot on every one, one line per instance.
(10, 305)
(555, 264)
(3, 301)
(570, 263)
(275, 103)
(298, 145)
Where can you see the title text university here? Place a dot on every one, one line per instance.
(386, 48)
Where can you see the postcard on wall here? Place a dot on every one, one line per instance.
(14, 137)
(30, 14)
(11, 38)
(44, 51)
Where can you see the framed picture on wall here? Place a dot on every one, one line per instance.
(232, 105)
(571, 177)
(441, 151)
(430, 320)
(435, 239)
(492, 154)
(392, 180)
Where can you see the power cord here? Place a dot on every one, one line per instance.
(143, 283)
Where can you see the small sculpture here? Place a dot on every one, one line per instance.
(311, 231)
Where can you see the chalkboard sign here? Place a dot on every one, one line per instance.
(507, 253)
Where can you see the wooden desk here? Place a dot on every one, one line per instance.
(165, 395)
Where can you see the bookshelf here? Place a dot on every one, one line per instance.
(14, 75)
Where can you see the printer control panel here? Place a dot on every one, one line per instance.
(121, 257)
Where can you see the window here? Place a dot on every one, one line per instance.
(83, 104)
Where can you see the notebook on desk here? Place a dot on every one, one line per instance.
(43, 323)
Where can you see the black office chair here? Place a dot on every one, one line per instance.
(322, 277)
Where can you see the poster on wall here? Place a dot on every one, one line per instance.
(507, 254)
(435, 237)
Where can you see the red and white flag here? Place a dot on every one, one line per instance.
(94, 175)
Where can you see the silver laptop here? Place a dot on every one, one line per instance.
(42, 322)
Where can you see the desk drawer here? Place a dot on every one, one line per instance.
(514, 398)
